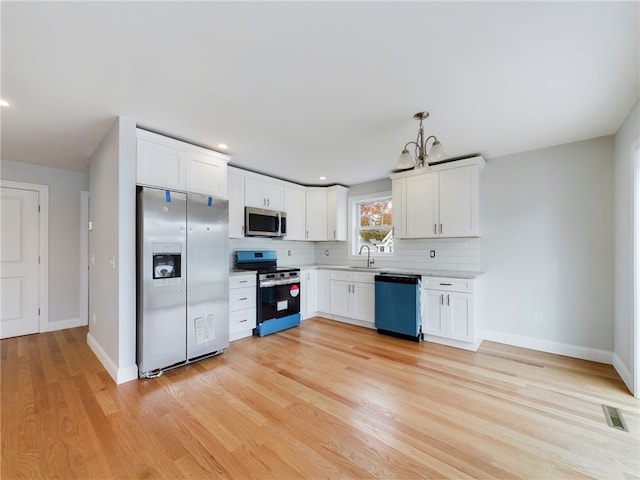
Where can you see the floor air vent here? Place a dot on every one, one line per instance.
(614, 418)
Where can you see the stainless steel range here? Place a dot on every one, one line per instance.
(278, 294)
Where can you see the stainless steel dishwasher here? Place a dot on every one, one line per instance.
(397, 305)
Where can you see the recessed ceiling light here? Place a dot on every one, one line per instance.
(323, 178)
(223, 146)
(3, 103)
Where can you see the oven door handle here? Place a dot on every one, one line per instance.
(275, 283)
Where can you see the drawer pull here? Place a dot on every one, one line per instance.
(242, 321)
(446, 284)
(243, 298)
(243, 281)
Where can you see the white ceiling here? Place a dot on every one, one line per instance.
(300, 89)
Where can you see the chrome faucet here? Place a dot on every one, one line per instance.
(370, 261)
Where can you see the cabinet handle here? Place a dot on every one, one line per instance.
(243, 298)
(268, 202)
(334, 234)
(448, 299)
(243, 281)
(306, 235)
(446, 284)
(442, 299)
(435, 228)
(242, 321)
(440, 229)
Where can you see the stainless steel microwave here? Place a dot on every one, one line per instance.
(260, 222)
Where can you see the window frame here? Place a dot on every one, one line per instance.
(353, 223)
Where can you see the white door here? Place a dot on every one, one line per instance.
(19, 262)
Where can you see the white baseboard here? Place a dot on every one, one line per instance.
(452, 343)
(566, 349)
(353, 321)
(62, 324)
(118, 374)
(623, 371)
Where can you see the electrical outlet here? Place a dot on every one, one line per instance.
(537, 318)
(432, 254)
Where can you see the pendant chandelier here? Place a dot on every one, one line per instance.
(436, 153)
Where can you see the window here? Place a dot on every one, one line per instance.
(372, 222)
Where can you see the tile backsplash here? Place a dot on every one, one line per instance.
(290, 253)
(451, 254)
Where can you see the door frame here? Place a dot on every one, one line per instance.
(43, 246)
(635, 171)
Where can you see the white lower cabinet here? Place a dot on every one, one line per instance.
(353, 297)
(242, 305)
(324, 293)
(309, 293)
(450, 311)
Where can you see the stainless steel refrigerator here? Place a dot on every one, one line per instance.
(183, 279)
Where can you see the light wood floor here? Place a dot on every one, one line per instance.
(326, 400)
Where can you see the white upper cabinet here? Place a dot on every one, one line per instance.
(262, 192)
(439, 201)
(294, 206)
(422, 206)
(459, 202)
(167, 163)
(316, 214)
(235, 193)
(337, 212)
(326, 213)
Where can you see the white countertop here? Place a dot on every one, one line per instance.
(426, 273)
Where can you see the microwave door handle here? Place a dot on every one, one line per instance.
(278, 223)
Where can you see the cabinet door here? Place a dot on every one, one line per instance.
(311, 292)
(274, 195)
(340, 298)
(316, 214)
(399, 197)
(433, 320)
(235, 193)
(324, 291)
(294, 205)
(336, 213)
(422, 206)
(159, 166)
(253, 194)
(459, 312)
(206, 174)
(459, 202)
(363, 302)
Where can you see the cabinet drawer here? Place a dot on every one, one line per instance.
(242, 320)
(343, 275)
(241, 298)
(347, 276)
(239, 281)
(447, 284)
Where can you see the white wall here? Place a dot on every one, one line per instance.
(112, 286)
(65, 189)
(626, 137)
(548, 228)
